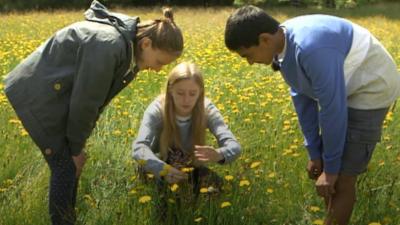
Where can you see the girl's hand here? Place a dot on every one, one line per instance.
(175, 176)
(207, 154)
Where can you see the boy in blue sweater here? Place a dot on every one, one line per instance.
(342, 82)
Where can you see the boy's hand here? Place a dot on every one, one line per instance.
(175, 176)
(325, 184)
(314, 168)
(207, 154)
(79, 162)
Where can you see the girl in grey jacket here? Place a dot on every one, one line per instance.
(172, 134)
(59, 91)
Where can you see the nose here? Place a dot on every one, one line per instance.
(186, 99)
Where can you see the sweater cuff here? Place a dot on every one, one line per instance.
(332, 166)
(225, 154)
(314, 152)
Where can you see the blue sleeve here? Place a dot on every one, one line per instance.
(307, 112)
(324, 68)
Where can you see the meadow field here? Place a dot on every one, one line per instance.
(267, 185)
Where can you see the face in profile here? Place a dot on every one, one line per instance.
(185, 94)
(153, 58)
(262, 53)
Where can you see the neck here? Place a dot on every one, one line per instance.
(281, 40)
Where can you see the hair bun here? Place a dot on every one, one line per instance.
(168, 14)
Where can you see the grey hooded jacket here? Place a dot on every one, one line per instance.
(59, 90)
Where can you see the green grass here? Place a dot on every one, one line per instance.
(255, 103)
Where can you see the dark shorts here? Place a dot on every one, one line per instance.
(363, 133)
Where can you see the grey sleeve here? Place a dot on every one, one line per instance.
(93, 79)
(228, 145)
(145, 145)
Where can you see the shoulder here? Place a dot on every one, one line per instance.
(95, 34)
(155, 107)
(312, 32)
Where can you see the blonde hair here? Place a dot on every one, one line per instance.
(170, 136)
(164, 34)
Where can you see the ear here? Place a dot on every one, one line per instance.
(265, 39)
(145, 43)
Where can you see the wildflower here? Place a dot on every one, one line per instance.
(165, 170)
(244, 183)
(211, 189)
(314, 208)
(271, 175)
(174, 187)
(270, 190)
(117, 132)
(203, 190)
(228, 177)
(198, 219)
(318, 222)
(374, 223)
(23, 133)
(187, 169)
(132, 192)
(14, 121)
(255, 164)
(225, 204)
(144, 199)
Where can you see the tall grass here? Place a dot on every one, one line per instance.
(266, 185)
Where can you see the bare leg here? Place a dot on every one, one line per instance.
(340, 205)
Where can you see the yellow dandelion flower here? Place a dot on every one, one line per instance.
(228, 177)
(187, 169)
(225, 204)
(318, 222)
(244, 183)
(117, 132)
(271, 175)
(150, 176)
(132, 192)
(203, 190)
(174, 187)
(144, 199)
(255, 164)
(198, 219)
(270, 190)
(23, 133)
(14, 121)
(314, 208)
(296, 154)
(165, 170)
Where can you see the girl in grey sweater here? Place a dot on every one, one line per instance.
(171, 137)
